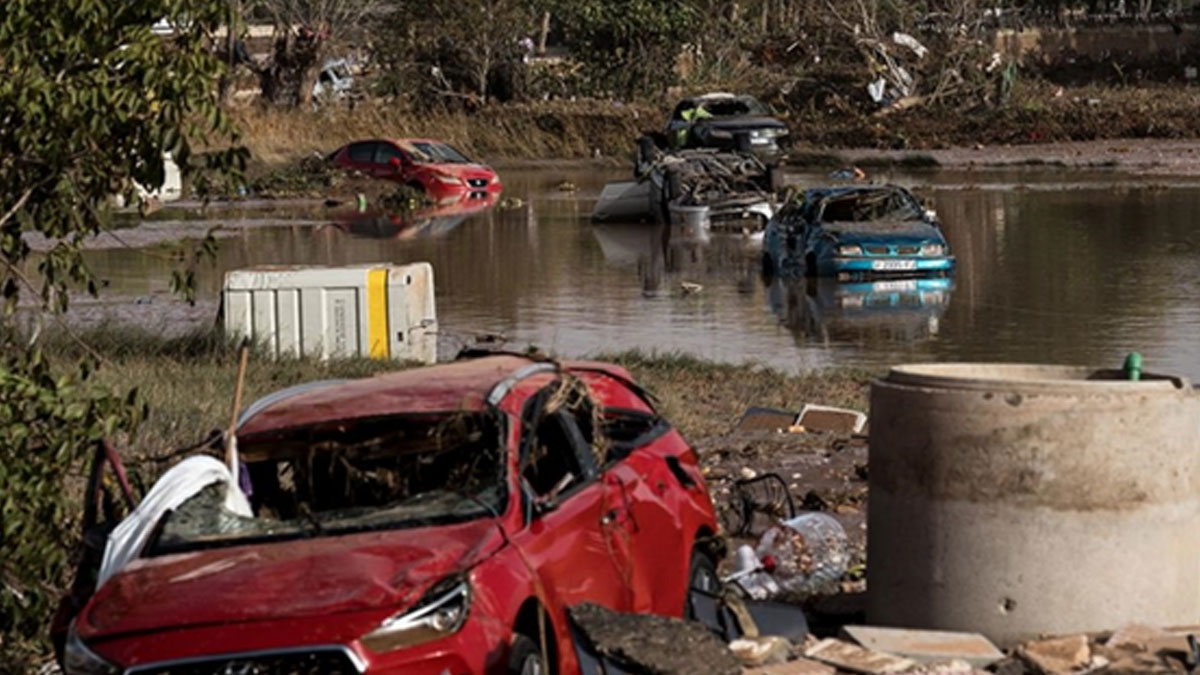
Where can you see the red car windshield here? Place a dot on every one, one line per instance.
(429, 152)
(393, 472)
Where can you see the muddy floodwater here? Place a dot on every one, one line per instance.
(1054, 265)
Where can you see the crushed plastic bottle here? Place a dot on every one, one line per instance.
(752, 574)
(810, 553)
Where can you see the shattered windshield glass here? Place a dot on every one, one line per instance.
(870, 206)
(350, 477)
(438, 153)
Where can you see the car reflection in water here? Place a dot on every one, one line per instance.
(688, 251)
(900, 310)
(429, 221)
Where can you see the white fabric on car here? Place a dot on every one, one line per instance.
(176, 486)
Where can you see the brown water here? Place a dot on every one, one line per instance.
(1054, 266)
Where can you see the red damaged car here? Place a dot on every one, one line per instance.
(439, 520)
(431, 166)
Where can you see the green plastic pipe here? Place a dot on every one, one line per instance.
(1133, 366)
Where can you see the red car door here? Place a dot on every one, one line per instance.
(565, 541)
(646, 477)
(392, 163)
(361, 156)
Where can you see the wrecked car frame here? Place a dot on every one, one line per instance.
(433, 520)
(856, 233)
(721, 190)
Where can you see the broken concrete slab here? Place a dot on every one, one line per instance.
(954, 667)
(761, 650)
(1135, 636)
(927, 646)
(827, 418)
(796, 667)
(652, 645)
(1057, 656)
(853, 658)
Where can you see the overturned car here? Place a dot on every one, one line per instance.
(723, 190)
(856, 232)
(435, 520)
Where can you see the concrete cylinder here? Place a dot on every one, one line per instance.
(1020, 500)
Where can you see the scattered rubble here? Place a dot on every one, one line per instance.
(653, 645)
(1057, 656)
(855, 659)
(797, 667)
(761, 651)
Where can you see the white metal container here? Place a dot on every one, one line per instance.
(380, 310)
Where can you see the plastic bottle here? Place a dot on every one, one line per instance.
(752, 574)
(810, 553)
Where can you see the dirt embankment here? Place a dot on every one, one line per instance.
(1040, 114)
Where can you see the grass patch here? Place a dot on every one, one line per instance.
(188, 382)
(704, 398)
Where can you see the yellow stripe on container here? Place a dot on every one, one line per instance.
(379, 347)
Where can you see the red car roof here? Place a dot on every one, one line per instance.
(462, 385)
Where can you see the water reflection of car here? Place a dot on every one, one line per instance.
(431, 221)
(429, 166)
(858, 232)
(893, 310)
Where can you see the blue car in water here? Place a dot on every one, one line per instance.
(856, 232)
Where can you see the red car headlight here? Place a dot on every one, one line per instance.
(448, 180)
(441, 612)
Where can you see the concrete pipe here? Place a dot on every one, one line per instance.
(1020, 500)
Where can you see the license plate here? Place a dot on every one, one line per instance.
(759, 141)
(894, 286)
(893, 265)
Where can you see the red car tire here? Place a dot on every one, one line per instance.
(524, 658)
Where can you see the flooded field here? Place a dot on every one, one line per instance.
(1053, 266)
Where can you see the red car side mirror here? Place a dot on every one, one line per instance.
(395, 163)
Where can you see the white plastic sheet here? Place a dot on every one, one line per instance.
(176, 486)
(906, 40)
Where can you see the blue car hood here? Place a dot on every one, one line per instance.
(885, 232)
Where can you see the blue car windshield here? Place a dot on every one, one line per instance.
(871, 205)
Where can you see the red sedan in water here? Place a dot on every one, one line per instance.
(431, 166)
(438, 520)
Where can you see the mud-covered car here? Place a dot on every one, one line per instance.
(435, 520)
(726, 122)
(856, 232)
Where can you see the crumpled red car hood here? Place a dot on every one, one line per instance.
(302, 578)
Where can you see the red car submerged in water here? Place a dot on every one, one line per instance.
(438, 520)
(431, 166)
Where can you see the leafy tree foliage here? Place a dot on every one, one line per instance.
(629, 48)
(450, 51)
(91, 99)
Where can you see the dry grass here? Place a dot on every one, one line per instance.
(559, 130)
(704, 398)
(188, 382)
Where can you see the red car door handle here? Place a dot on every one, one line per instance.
(610, 517)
